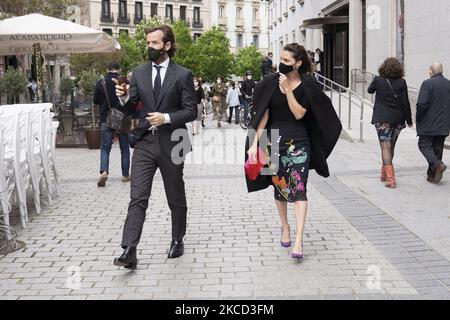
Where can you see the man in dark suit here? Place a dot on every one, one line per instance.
(433, 120)
(167, 93)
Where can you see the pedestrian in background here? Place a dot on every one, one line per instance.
(433, 120)
(233, 102)
(219, 94)
(390, 113)
(199, 93)
(105, 96)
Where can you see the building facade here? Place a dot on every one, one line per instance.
(360, 34)
(245, 22)
(116, 16)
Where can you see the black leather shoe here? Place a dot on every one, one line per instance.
(176, 249)
(128, 259)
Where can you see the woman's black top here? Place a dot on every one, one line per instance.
(388, 108)
(279, 108)
(199, 94)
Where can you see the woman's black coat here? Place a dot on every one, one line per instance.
(321, 121)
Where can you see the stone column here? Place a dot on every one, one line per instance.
(355, 35)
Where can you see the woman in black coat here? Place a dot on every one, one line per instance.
(390, 113)
(303, 130)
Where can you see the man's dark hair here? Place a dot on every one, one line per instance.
(270, 53)
(299, 54)
(113, 66)
(168, 36)
(391, 68)
(318, 49)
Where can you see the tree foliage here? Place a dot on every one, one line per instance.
(248, 58)
(212, 55)
(14, 82)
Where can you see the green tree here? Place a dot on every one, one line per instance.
(248, 58)
(130, 54)
(212, 54)
(14, 83)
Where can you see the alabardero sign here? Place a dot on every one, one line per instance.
(40, 37)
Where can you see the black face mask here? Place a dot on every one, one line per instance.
(284, 68)
(154, 54)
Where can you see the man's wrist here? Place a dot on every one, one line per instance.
(166, 118)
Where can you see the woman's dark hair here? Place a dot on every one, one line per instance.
(232, 83)
(168, 36)
(391, 68)
(299, 54)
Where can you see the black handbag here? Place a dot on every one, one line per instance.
(116, 119)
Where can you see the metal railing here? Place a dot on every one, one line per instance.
(361, 79)
(352, 97)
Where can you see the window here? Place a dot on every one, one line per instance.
(106, 8)
(138, 10)
(183, 12)
(154, 9)
(256, 40)
(169, 11)
(122, 8)
(196, 36)
(221, 11)
(255, 14)
(196, 14)
(238, 12)
(108, 31)
(239, 41)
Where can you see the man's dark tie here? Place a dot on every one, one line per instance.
(157, 85)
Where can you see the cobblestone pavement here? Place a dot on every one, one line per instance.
(362, 240)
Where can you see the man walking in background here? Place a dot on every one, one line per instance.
(105, 97)
(433, 120)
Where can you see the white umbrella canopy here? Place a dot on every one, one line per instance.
(56, 36)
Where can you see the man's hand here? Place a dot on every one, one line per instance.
(155, 119)
(119, 89)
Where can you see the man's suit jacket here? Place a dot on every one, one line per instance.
(177, 98)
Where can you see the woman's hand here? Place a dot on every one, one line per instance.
(284, 83)
(252, 151)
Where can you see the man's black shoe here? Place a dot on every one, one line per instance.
(128, 259)
(176, 249)
(439, 172)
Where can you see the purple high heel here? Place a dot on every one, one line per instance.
(297, 256)
(286, 244)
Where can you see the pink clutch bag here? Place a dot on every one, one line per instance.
(253, 167)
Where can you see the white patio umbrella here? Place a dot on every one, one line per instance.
(55, 36)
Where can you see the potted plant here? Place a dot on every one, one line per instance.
(86, 83)
(14, 83)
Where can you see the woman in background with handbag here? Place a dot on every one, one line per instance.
(304, 123)
(390, 113)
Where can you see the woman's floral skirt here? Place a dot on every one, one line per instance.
(290, 179)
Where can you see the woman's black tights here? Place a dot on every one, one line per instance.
(387, 151)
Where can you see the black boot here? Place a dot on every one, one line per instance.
(128, 259)
(203, 124)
